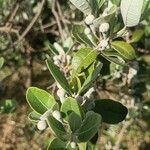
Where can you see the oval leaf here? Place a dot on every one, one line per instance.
(137, 35)
(82, 5)
(74, 121)
(111, 111)
(34, 116)
(39, 100)
(82, 59)
(71, 105)
(58, 76)
(57, 128)
(57, 144)
(91, 78)
(124, 49)
(131, 11)
(89, 126)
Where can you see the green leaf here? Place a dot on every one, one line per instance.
(71, 105)
(124, 49)
(57, 128)
(82, 59)
(131, 11)
(51, 48)
(1, 62)
(34, 116)
(113, 57)
(116, 2)
(95, 5)
(137, 35)
(74, 121)
(58, 76)
(89, 126)
(91, 78)
(57, 144)
(79, 35)
(39, 100)
(111, 111)
(82, 5)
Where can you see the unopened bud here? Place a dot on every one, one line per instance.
(89, 19)
(104, 27)
(57, 62)
(59, 48)
(56, 114)
(87, 31)
(41, 125)
(68, 57)
(61, 94)
(73, 145)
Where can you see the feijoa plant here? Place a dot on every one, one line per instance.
(75, 115)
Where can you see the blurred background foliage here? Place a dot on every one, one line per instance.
(24, 52)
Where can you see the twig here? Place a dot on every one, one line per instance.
(12, 15)
(61, 15)
(57, 20)
(121, 134)
(31, 23)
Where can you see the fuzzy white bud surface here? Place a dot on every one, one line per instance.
(41, 125)
(56, 114)
(68, 57)
(103, 44)
(61, 94)
(104, 27)
(73, 145)
(87, 31)
(89, 19)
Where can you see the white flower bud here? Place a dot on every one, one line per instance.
(57, 62)
(73, 145)
(103, 44)
(56, 114)
(104, 27)
(89, 19)
(68, 57)
(41, 125)
(61, 94)
(59, 48)
(87, 31)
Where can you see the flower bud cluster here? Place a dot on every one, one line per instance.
(42, 124)
(103, 45)
(62, 60)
